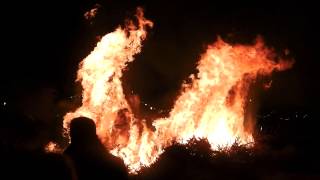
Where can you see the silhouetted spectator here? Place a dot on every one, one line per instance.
(91, 159)
(22, 154)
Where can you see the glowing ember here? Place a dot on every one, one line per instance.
(211, 107)
(52, 147)
(92, 12)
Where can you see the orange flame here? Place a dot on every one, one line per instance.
(52, 147)
(211, 107)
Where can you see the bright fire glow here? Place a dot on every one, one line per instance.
(211, 107)
(52, 147)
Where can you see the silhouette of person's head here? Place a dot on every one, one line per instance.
(89, 155)
(82, 129)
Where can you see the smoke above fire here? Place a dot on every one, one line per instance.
(212, 106)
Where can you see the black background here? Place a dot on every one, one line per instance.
(44, 42)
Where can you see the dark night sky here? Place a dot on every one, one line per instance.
(47, 41)
(44, 42)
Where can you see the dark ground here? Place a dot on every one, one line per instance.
(44, 42)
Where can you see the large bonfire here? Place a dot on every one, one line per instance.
(210, 107)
